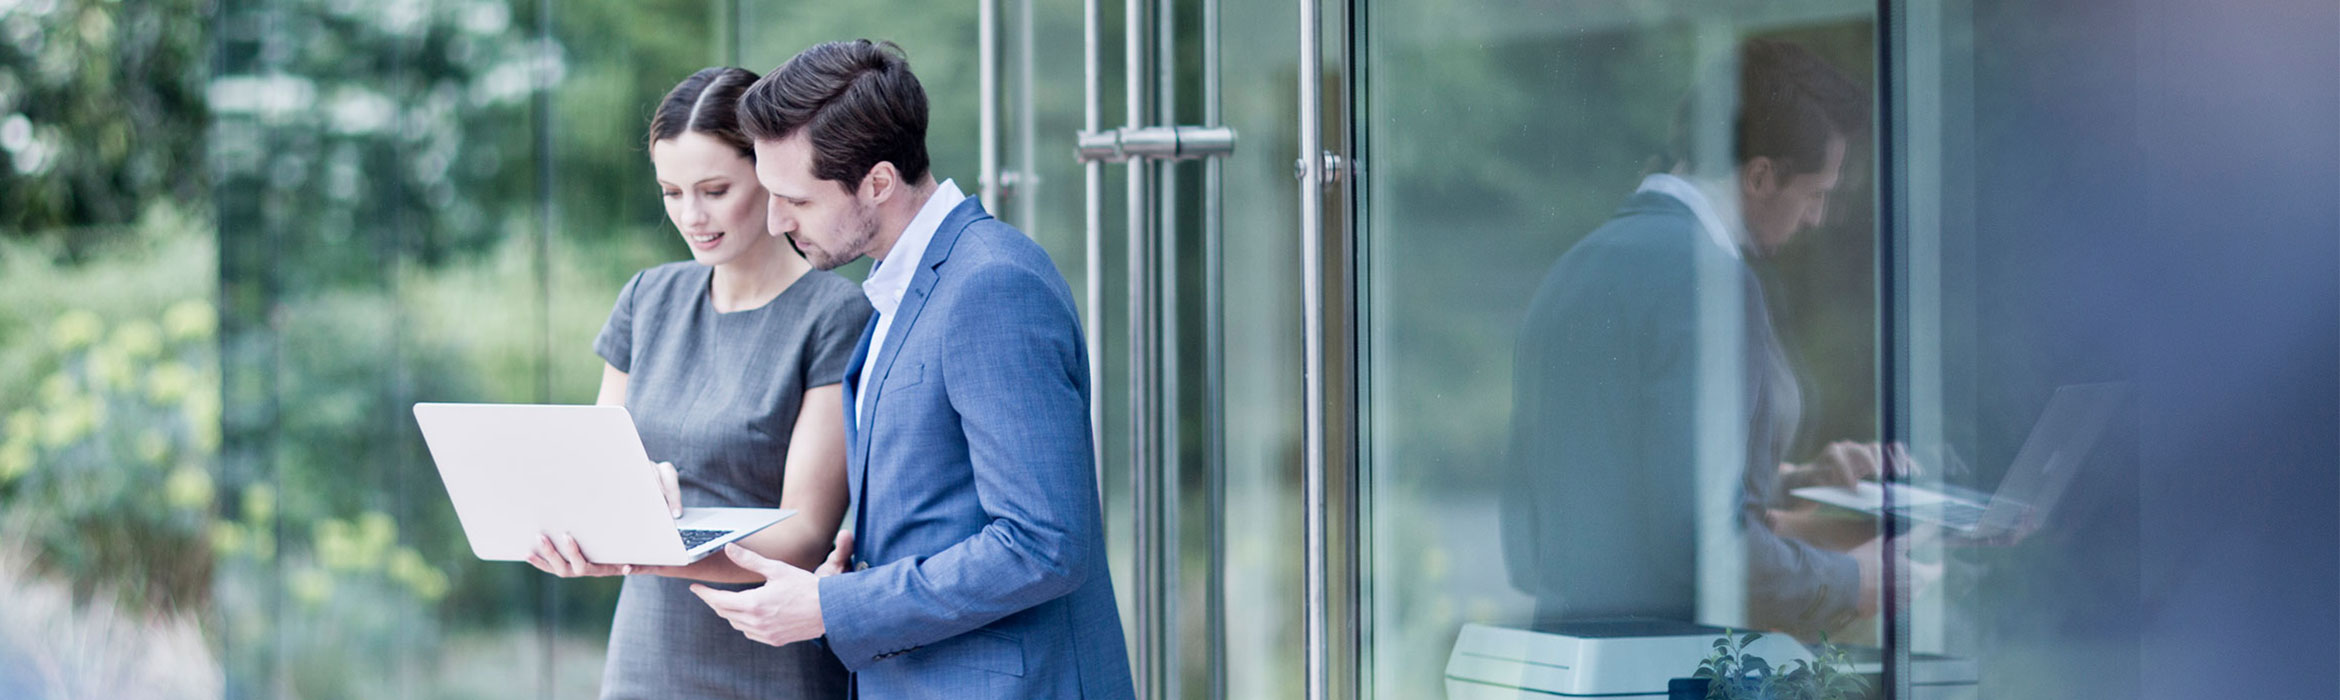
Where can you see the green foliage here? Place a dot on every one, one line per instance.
(353, 134)
(106, 461)
(110, 417)
(413, 201)
(101, 115)
(1734, 674)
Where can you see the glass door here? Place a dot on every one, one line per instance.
(1185, 134)
(1360, 407)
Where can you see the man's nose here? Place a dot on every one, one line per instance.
(777, 221)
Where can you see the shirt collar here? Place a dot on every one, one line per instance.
(887, 283)
(1716, 214)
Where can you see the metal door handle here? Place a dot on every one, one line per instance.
(1156, 143)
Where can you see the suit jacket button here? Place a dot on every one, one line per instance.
(861, 566)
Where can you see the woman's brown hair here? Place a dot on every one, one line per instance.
(707, 103)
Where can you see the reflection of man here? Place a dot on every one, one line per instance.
(1613, 397)
(977, 569)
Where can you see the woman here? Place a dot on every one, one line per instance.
(731, 365)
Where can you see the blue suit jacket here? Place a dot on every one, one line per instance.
(975, 487)
(1607, 419)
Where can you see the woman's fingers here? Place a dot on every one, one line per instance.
(842, 553)
(670, 484)
(576, 557)
(1904, 466)
(1839, 465)
(548, 558)
(561, 556)
(1866, 462)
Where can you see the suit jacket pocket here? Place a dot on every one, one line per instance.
(979, 649)
(903, 376)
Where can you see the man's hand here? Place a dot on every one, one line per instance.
(787, 608)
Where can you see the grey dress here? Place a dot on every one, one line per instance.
(717, 394)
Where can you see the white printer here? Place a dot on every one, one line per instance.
(1635, 658)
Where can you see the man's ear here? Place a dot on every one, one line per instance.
(1759, 176)
(881, 183)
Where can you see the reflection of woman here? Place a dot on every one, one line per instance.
(730, 365)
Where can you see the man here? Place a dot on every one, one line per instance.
(976, 566)
(1648, 350)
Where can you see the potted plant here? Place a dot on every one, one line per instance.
(1731, 673)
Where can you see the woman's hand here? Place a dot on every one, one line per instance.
(560, 557)
(1845, 464)
(839, 555)
(670, 485)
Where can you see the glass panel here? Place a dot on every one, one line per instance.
(1041, 103)
(1617, 300)
(381, 223)
(109, 353)
(211, 478)
(2152, 221)
(1262, 413)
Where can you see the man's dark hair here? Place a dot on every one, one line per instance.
(855, 101)
(1790, 102)
(705, 103)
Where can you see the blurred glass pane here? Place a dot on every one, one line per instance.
(207, 441)
(1260, 69)
(1606, 332)
(2054, 238)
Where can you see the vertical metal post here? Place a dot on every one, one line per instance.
(1026, 185)
(548, 587)
(1093, 273)
(987, 101)
(1214, 372)
(1891, 413)
(1142, 364)
(730, 23)
(1316, 599)
(1162, 528)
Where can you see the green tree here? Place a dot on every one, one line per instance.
(101, 114)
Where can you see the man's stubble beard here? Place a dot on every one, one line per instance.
(860, 232)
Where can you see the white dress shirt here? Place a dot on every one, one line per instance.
(890, 278)
(1718, 215)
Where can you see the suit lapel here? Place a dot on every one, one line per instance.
(856, 459)
(914, 301)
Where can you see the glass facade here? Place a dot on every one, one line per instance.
(1617, 294)
(1626, 308)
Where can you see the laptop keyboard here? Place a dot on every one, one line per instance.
(694, 538)
(1956, 514)
(1963, 516)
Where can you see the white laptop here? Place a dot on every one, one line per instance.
(2075, 417)
(518, 471)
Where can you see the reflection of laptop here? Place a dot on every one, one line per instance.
(2075, 417)
(517, 471)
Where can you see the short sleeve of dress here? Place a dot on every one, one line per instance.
(835, 336)
(616, 342)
